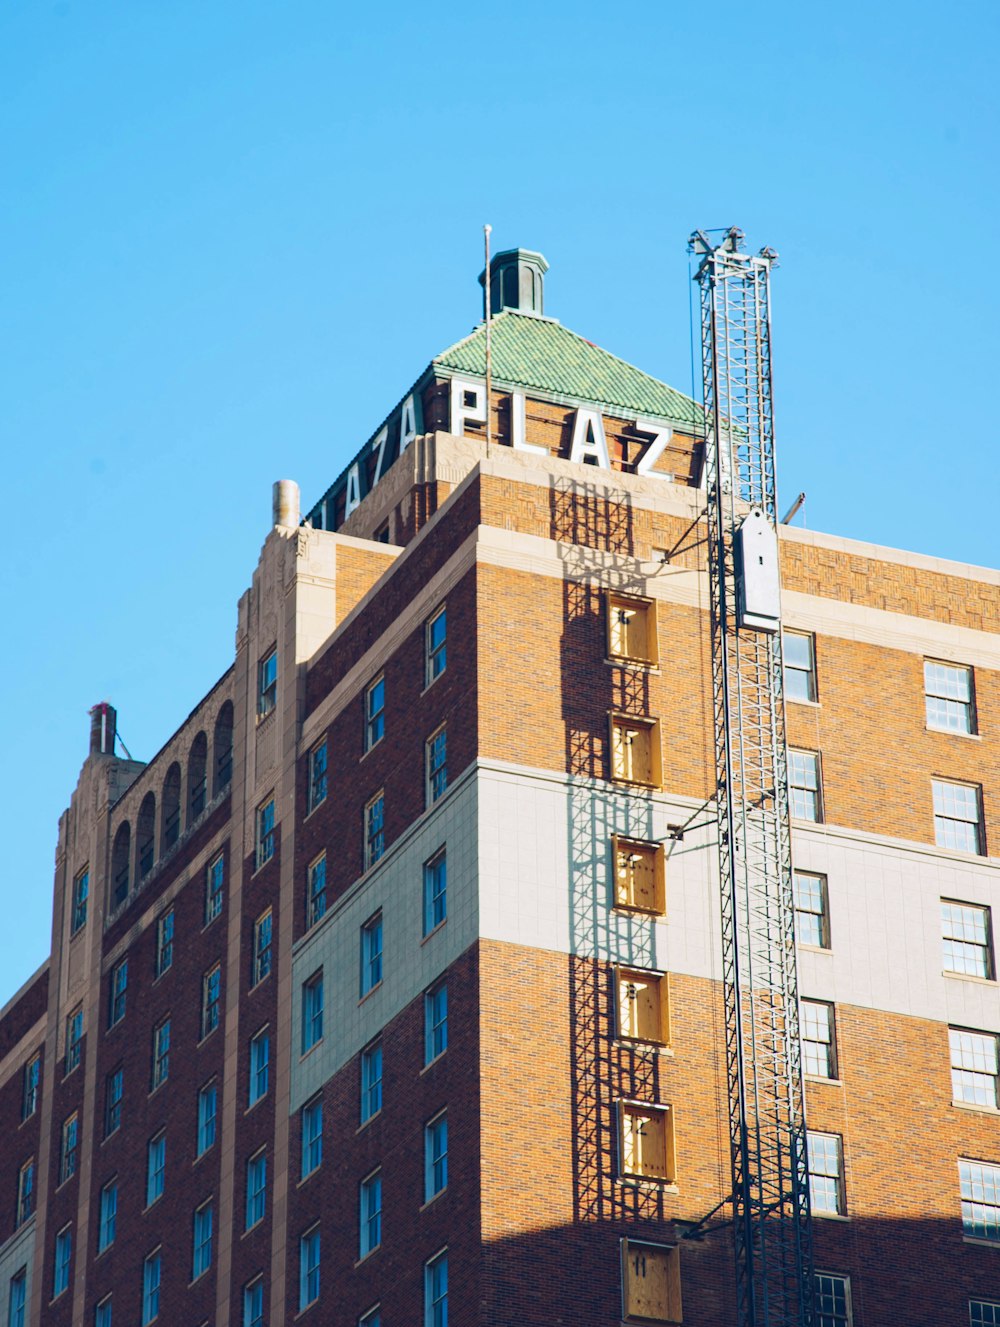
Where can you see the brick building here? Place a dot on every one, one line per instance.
(382, 993)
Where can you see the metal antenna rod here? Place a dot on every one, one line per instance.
(771, 1218)
(489, 344)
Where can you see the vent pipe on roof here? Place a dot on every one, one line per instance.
(103, 726)
(285, 503)
(517, 278)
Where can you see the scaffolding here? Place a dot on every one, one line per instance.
(773, 1245)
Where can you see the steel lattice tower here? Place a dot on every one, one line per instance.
(766, 1108)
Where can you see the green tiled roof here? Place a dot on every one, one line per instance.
(541, 355)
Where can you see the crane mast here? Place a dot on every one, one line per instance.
(773, 1247)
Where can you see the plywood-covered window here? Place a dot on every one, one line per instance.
(635, 750)
(651, 1282)
(646, 1141)
(632, 629)
(639, 875)
(643, 1003)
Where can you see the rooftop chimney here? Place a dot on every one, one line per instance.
(103, 727)
(285, 503)
(516, 280)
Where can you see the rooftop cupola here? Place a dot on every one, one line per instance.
(517, 277)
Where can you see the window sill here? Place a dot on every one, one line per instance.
(160, 975)
(641, 1043)
(306, 1178)
(250, 1229)
(977, 1110)
(433, 680)
(649, 1182)
(254, 1104)
(369, 749)
(365, 1256)
(198, 1044)
(153, 1090)
(651, 666)
(953, 732)
(259, 866)
(313, 809)
(434, 930)
(259, 983)
(639, 912)
(621, 782)
(830, 1216)
(814, 949)
(370, 992)
(968, 976)
(365, 1123)
(821, 1078)
(981, 1243)
(431, 1201)
(201, 1155)
(430, 1063)
(306, 1053)
(199, 1277)
(799, 700)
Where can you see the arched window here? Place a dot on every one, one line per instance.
(145, 837)
(170, 829)
(197, 761)
(223, 748)
(119, 864)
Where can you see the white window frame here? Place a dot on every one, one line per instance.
(211, 999)
(201, 1240)
(961, 927)
(267, 683)
(74, 1038)
(156, 1167)
(375, 712)
(947, 820)
(207, 1122)
(946, 708)
(831, 1317)
(312, 1011)
(979, 1190)
(433, 1023)
(152, 1278)
(978, 1318)
(371, 1086)
(260, 1066)
(794, 672)
(819, 1053)
(318, 774)
(311, 1137)
(316, 890)
(263, 943)
(62, 1260)
(436, 1298)
(819, 1178)
(808, 804)
(436, 765)
(81, 890)
(975, 1067)
(374, 829)
(17, 1298)
(435, 891)
(372, 954)
(435, 1156)
(822, 915)
(161, 1053)
(69, 1150)
(164, 943)
(26, 1179)
(255, 1207)
(253, 1302)
(215, 884)
(118, 992)
(113, 1100)
(265, 822)
(309, 1266)
(435, 655)
(370, 1213)
(31, 1083)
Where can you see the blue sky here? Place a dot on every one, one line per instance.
(234, 233)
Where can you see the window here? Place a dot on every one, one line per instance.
(208, 1103)
(26, 1191)
(643, 1000)
(261, 948)
(309, 1268)
(833, 1300)
(983, 1313)
(164, 942)
(635, 750)
(211, 990)
(316, 903)
(374, 830)
(375, 713)
(948, 697)
(437, 765)
(113, 1088)
(161, 1052)
(436, 1157)
(267, 683)
(979, 1184)
(804, 789)
(156, 1165)
(371, 1080)
(312, 1011)
(651, 1282)
(17, 1298)
(260, 1056)
(102, 1314)
(640, 883)
(370, 1227)
(74, 1038)
(151, 1288)
(826, 1179)
(81, 888)
(436, 646)
(373, 1318)
(436, 1290)
(435, 891)
(812, 918)
(435, 1022)
(68, 1150)
(967, 939)
(819, 1040)
(956, 816)
(632, 629)
(646, 1141)
(253, 1303)
(64, 1252)
(117, 991)
(265, 832)
(214, 887)
(371, 953)
(256, 1188)
(201, 1241)
(312, 1136)
(108, 1216)
(29, 1088)
(974, 1067)
(800, 665)
(317, 775)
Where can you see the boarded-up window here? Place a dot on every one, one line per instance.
(646, 1141)
(632, 629)
(643, 1005)
(635, 750)
(651, 1282)
(639, 875)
